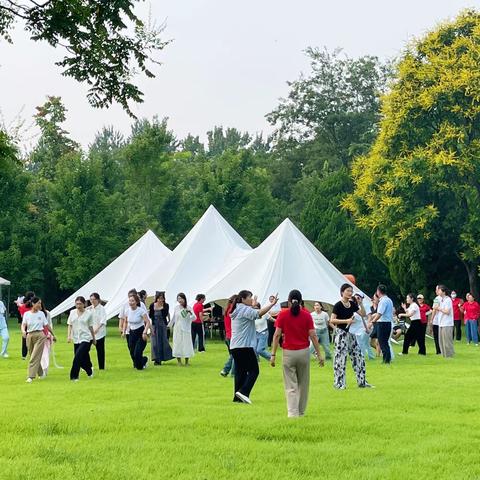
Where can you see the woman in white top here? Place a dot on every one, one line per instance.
(34, 325)
(138, 326)
(99, 328)
(45, 362)
(415, 332)
(80, 331)
(320, 321)
(181, 322)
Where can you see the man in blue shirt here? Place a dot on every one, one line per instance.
(384, 318)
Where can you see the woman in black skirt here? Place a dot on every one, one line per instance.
(160, 316)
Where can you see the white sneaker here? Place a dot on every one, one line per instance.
(41, 377)
(5, 355)
(243, 398)
(29, 380)
(75, 380)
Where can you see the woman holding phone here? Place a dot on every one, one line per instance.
(181, 323)
(345, 342)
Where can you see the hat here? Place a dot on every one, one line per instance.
(358, 294)
(420, 296)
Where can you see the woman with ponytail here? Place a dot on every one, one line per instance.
(296, 326)
(243, 342)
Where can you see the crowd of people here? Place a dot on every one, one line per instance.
(250, 328)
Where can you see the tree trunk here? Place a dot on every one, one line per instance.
(472, 272)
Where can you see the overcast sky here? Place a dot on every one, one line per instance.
(228, 63)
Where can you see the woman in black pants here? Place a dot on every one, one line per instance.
(138, 324)
(80, 331)
(243, 342)
(415, 332)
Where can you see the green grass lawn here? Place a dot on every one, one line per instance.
(180, 423)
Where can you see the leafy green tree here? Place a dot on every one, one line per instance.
(54, 141)
(417, 191)
(336, 106)
(86, 223)
(220, 140)
(145, 161)
(333, 230)
(107, 147)
(19, 261)
(106, 43)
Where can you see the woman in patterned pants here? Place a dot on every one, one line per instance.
(345, 342)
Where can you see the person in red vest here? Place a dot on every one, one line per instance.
(229, 364)
(471, 314)
(457, 315)
(424, 309)
(24, 307)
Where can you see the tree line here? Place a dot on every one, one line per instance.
(376, 161)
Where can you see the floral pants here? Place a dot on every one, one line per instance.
(346, 343)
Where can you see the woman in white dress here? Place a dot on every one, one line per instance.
(182, 330)
(45, 362)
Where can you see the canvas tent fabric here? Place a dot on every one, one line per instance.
(284, 261)
(125, 272)
(4, 281)
(210, 250)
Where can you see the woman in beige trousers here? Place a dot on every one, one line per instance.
(34, 325)
(296, 326)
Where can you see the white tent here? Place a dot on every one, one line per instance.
(5, 283)
(211, 249)
(127, 271)
(285, 260)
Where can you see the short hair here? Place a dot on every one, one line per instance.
(199, 297)
(382, 289)
(344, 287)
(81, 299)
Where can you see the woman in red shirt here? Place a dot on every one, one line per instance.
(24, 307)
(471, 313)
(296, 326)
(229, 364)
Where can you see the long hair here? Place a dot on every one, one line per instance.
(34, 300)
(295, 299)
(27, 299)
(159, 295)
(183, 297)
(242, 295)
(413, 297)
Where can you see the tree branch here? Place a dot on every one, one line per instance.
(13, 12)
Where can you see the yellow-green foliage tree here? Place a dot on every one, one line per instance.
(418, 189)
